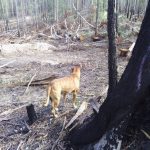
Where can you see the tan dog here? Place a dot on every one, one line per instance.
(68, 84)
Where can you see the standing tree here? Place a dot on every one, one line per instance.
(116, 16)
(128, 103)
(112, 58)
(17, 15)
(56, 10)
(97, 15)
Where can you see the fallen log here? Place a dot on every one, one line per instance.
(123, 52)
(44, 81)
(78, 113)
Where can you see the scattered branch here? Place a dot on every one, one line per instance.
(30, 82)
(7, 63)
(65, 113)
(20, 144)
(131, 47)
(95, 105)
(146, 134)
(12, 110)
(78, 113)
(82, 17)
(104, 91)
(77, 29)
(66, 25)
(60, 135)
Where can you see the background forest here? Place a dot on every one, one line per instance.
(32, 15)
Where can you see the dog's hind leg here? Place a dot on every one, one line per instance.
(74, 99)
(64, 94)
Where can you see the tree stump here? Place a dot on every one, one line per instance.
(31, 114)
(123, 52)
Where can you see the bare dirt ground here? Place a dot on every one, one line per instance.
(42, 63)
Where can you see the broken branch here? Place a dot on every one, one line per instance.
(7, 63)
(60, 135)
(78, 113)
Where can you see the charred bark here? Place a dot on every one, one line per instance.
(129, 98)
(112, 58)
(31, 114)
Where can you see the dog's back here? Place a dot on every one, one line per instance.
(66, 84)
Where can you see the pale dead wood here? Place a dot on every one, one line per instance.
(51, 30)
(131, 47)
(53, 33)
(78, 113)
(56, 36)
(82, 16)
(43, 35)
(95, 105)
(30, 82)
(44, 81)
(72, 26)
(8, 146)
(128, 146)
(46, 25)
(65, 113)
(94, 102)
(12, 110)
(60, 135)
(146, 134)
(20, 144)
(77, 29)
(7, 63)
(119, 145)
(73, 127)
(66, 24)
(123, 50)
(6, 118)
(104, 91)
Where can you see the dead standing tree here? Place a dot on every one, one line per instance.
(112, 58)
(130, 97)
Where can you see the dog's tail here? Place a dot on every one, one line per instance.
(48, 95)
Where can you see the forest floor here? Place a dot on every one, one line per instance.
(51, 57)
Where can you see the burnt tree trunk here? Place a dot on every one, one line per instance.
(117, 9)
(31, 114)
(112, 64)
(130, 98)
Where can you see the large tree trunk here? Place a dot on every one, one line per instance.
(130, 97)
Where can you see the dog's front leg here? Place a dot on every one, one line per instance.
(54, 108)
(48, 96)
(47, 101)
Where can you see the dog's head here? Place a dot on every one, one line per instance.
(76, 70)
